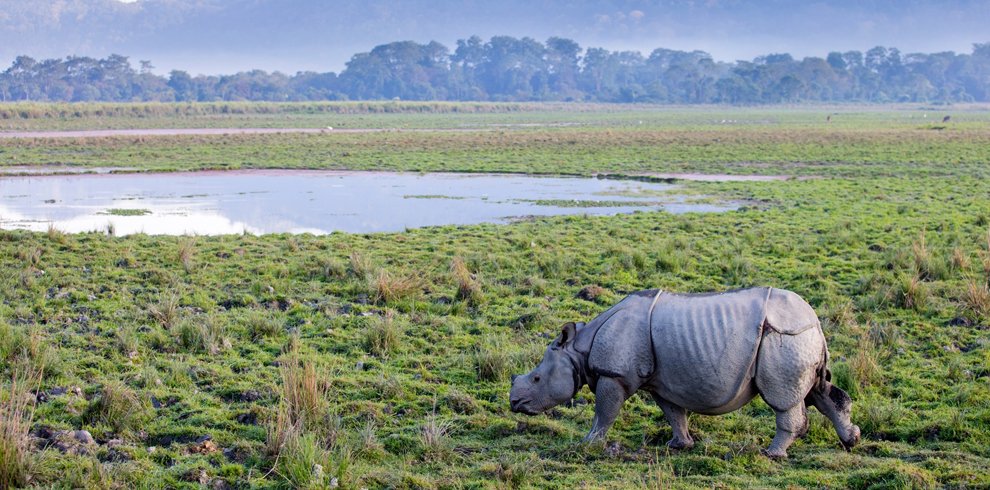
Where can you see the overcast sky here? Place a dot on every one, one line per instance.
(223, 36)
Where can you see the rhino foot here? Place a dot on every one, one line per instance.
(774, 454)
(680, 444)
(854, 436)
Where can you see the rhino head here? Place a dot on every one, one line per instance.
(555, 380)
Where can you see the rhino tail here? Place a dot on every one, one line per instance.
(823, 374)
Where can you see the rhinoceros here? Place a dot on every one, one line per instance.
(708, 353)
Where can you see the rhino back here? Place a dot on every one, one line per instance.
(789, 314)
(706, 344)
(622, 346)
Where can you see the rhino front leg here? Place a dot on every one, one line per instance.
(677, 418)
(609, 397)
(791, 424)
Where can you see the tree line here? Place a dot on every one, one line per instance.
(505, 68)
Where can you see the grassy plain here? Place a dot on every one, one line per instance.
(384, 358)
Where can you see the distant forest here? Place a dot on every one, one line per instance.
(510, 69)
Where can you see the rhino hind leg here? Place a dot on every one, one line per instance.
(677, 418)
(791, 424)
(835, 404)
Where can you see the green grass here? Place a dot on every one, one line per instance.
(384, 358)
(883, 149)
(127, 212)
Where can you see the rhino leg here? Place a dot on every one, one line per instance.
(610, 394)
(677, 418)
(837, 406)
(791, 424)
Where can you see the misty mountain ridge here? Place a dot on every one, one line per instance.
(216, 36)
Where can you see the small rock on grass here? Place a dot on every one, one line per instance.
(590, 293)
(83, 437)
(204, 445)
(613, 449)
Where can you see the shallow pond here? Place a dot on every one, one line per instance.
(211, 203)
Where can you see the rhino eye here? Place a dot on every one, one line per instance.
(536, 379)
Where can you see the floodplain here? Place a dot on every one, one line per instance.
(382, 360)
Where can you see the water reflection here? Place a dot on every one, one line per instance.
(211, 203)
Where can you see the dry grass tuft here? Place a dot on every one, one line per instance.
(977, 300)
(187, 252)
(56, 235)
(303, 430)
(16, 414)
(304, 390)
(661, 474)
(434, 434)
(927, 266)
(959, 260)
(468, 287)
(388, 288)
(864, 365)
(360, 265)
(913, 294)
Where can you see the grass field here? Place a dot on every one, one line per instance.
(383, 360)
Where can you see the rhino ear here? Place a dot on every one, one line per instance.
(567, 334)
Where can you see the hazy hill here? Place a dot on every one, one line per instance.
(214, 36)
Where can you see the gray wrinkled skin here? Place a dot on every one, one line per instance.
(704, 353)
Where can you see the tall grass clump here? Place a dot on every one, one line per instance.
(31, 256)
(56, 235)
(661, 474)
(468, 288)
(923, 258)
(304, 390)
(202, 334)
(909, 292)
(303, 403)
(16, 414)
(118, 407)
(305, 462)
(165, 309)
(864, 365)
(959, 260)
(514, 472)
(331, 268)
(360, 265)
(262, 323)
(434, 434)
(389, 288)
(382, 336)
(976, 299)
(186, 255)
(21, 346)
(986, 260)
(492, 361)
(878, 417)
(303, 435)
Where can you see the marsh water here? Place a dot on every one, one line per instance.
(211, 203)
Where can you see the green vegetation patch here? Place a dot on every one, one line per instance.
(127, 212)
(588, 203)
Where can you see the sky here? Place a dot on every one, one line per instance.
(224, 36)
